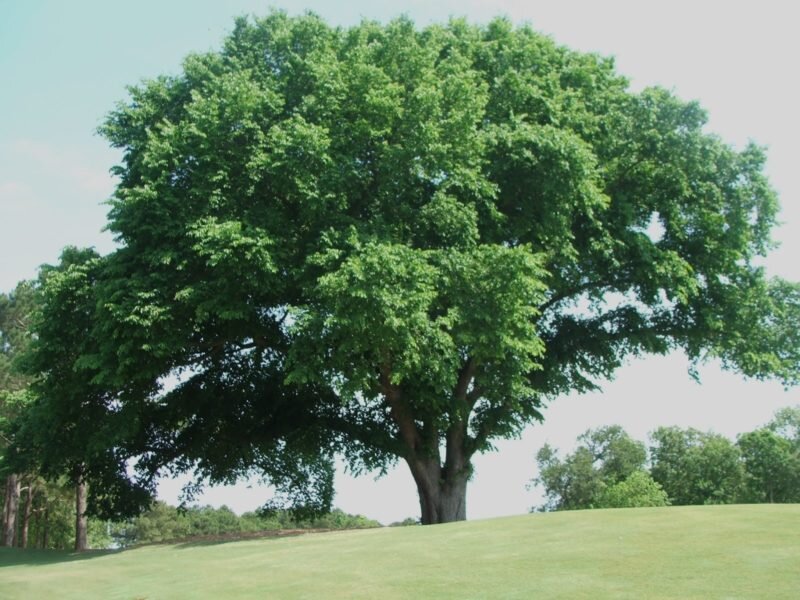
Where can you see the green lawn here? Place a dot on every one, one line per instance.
(682, 552)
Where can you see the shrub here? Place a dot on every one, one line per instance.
(638, 490)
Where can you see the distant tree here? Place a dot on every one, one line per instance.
(616, 454)
(569, 484)
(372, 241)
(639, 489)
(771, 465)
(16, 309)
(407, 522)
(786, 423)
(27, 499)
(53, 526)
(71, 426)
(162, 522)
(338, 519)
(208, 520)
(605, 457)
(694, 467)
(771, 458)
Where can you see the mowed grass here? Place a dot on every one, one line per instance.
(679, 552)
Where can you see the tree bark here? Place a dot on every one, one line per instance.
(46, 527)
(26, 516)
(10, 510)
(442, 488)
(442, 496)
(81, 522)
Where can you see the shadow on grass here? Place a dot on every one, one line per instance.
(14, 557)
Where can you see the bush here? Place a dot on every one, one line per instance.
(638, 490)
(407, 522)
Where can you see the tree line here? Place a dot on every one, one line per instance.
(163, 522)
(610, 469)
(38, 511)
(43, 514)
(52, 523)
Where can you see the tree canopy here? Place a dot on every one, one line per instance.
(606, 470)
(695, 467)
(15, 312)
(396, 243)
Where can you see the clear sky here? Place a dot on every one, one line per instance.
(63, 65)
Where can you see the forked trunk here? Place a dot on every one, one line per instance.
(81, 539)
(442, 495)
(10, 510)
(442, 487)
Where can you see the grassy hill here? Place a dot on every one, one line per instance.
(681, 552)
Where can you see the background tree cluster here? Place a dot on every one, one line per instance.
(162, 522)
(50, 523)
(609, 469)
(15, 313)
(46, 517)
(37, 512)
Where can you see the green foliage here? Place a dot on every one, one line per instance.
(638, 490)
(616, 453)
(407, 522)
(687, 466)
(57, 518)
(338, 519)
(771, 457)
(51, 523)
(786, 423)
(16, 309)
(695, 467)
(372, 241)
(72, 426)
(606, 457)
(164, 523)
(569, 484)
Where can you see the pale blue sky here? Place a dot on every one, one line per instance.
(63, 65)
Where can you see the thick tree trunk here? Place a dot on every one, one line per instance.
(81, 522)
(442, 495)
(442, 488)
(10, 510)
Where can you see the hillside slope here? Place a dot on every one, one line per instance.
(680, 552)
